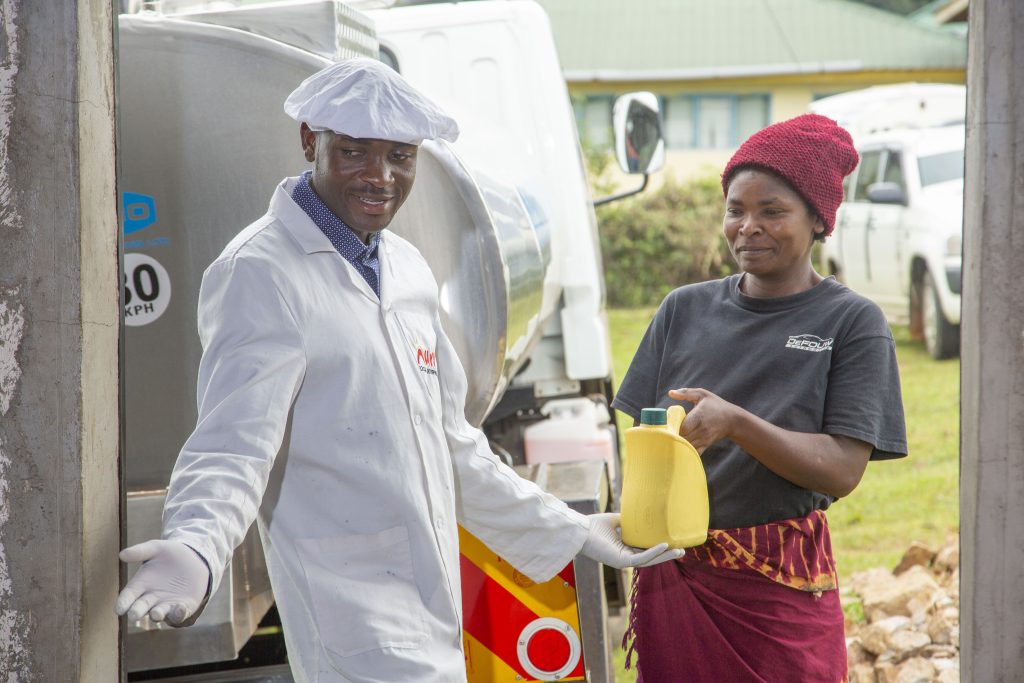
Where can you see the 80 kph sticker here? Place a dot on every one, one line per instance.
(147, 289)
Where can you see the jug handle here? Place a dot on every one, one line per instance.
(674, 418)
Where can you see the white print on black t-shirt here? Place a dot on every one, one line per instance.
(808, 342)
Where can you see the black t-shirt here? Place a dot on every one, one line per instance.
(821, 361)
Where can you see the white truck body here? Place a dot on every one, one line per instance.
(500, 79)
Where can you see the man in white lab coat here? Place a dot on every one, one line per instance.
(331, 413)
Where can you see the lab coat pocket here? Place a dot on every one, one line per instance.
(363, 591)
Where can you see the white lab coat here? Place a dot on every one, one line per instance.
(325, 416)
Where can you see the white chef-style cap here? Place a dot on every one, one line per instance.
(364, 98)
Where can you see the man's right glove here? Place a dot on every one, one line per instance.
(604, 544)
(170, 585)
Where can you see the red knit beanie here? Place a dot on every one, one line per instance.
(810, 152)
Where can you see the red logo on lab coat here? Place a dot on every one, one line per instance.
(426, 360)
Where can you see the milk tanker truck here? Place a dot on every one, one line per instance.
(503, 216)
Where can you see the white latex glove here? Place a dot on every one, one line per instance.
(604, 544)
(171, 584)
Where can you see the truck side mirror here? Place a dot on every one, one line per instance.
(636, 121)
(886, 193)
(639, 145)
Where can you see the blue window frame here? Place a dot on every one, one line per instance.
(713, 121)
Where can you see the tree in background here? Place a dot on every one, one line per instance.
(662, 239)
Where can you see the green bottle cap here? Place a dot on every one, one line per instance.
(653, 416)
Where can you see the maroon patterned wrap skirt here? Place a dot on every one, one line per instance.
(757, 604)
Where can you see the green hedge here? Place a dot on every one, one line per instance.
(661, 239)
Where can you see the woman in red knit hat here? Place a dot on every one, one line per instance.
(791, 387)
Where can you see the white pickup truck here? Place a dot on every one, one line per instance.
(899, 229)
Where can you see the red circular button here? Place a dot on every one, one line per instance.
(548, 650)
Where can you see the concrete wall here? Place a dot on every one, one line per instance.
(59, 289)
(992, 355)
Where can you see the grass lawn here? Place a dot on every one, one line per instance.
(899, 501)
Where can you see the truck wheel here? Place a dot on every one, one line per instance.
(941, 338)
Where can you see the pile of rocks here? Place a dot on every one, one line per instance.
(912, 629)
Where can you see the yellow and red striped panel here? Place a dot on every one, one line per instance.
(514, 629)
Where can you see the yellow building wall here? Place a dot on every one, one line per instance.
(789, 96)
(790, 101)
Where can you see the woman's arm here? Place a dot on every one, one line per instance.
(820, 462)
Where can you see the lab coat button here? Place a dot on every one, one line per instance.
(417, 419)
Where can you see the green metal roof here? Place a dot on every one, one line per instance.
(692, 39)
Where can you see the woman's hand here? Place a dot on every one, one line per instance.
(827, 463)
(711, 419)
